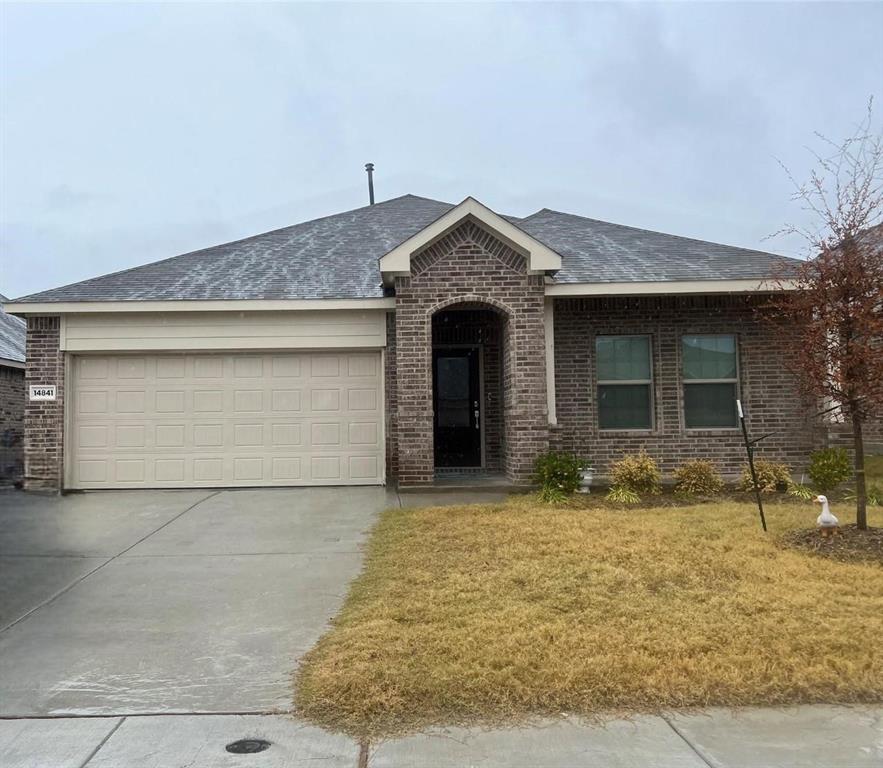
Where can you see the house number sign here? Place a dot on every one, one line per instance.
(42, 392)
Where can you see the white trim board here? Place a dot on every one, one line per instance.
(667, 287)
(549, 329)
(194, 331)
(186, 305)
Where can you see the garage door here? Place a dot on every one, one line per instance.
(164, 421)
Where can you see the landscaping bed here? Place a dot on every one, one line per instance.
(848, 544)
(500, 613)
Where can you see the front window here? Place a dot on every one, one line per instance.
(710, 374)
(624, 382)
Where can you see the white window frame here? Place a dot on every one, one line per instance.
(614, 382)
(685, 382)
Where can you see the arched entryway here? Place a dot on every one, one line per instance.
(468, 388)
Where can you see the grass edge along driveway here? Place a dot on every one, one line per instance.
(488, 614)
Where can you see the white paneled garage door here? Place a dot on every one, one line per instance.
(188, 420)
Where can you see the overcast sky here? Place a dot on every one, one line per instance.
(133, 132)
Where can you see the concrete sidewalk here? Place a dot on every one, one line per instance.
(796, 737)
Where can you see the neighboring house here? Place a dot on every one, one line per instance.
(838, 427)
(12, 397)
(405, 340)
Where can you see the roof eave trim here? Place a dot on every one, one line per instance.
(5, 362)
(540, 258)
(666, 287)
(190, 305)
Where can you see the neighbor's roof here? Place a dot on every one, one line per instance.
(12, 336)
(336, 257)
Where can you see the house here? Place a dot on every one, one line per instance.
(403, 342)
(12, 397)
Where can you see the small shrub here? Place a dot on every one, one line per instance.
(558, 475)
(772, 476)
(802, 492)
(828, 468)
(622, 495)
(873, 494)
(637, 472)
(698, 478)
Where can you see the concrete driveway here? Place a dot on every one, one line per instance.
(139, 602)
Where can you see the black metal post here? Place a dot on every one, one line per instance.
(370, 168)
(749, 447)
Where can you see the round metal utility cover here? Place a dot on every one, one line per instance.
(247, 746)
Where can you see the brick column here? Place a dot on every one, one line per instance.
(414, 378)
(44, 420)
(392, 402)
(526, 419)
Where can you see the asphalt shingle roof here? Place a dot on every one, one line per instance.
(12, 336)
(600, 252)
(336, 257)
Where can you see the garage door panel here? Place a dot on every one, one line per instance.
(130, 470)
(285, 400)
(363, 467)
(226, 420)
(286, 468)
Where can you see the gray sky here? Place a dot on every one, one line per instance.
(133, 132)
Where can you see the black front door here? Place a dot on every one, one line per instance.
(456, 404)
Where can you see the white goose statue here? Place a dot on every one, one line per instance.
(826, 521)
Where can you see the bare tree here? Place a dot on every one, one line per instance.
(836, 305)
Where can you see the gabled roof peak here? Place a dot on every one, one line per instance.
(540, 257)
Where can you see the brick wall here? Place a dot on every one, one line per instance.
(12, 413)
(840, 435)
(470, 267)
(44, 421)
(768, 391)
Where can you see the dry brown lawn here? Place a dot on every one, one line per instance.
(495, 613)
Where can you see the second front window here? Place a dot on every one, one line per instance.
(625, 382)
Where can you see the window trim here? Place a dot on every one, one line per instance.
(685, 382)
(650, 383)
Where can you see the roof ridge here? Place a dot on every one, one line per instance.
(416, 197)
(536, 213)
(219, 245)
(665, 234)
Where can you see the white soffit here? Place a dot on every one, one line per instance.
(540, 258)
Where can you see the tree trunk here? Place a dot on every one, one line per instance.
(861, 493)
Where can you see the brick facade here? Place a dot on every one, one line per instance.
(768, 392)
(12, 413)
(483, 290)
(44, 421)
(470, 268)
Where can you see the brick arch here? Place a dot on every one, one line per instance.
(470, 298)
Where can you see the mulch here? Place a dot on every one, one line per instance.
(849, 544)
